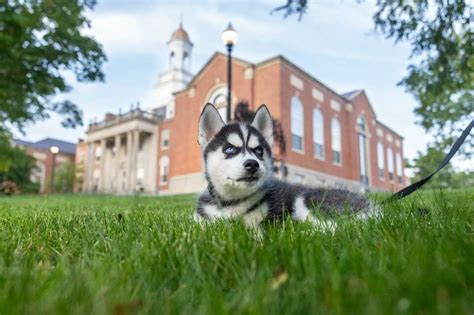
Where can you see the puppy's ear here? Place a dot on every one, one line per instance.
(263, 122)
(210, 123)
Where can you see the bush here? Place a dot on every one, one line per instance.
(64, 177)
(9, 188)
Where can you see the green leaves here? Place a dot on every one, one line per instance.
(15, 165)
(39, 42)
(441, 77)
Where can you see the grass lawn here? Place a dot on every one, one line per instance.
(128, 255)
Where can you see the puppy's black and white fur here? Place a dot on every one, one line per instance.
(239, 171)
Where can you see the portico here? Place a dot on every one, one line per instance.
(122, 153)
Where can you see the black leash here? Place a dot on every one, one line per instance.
(415, 186)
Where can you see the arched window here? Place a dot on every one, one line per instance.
(38, 175)
(336, 141)
(398, 159)
(218, 98)
(318, 134)
(362, 142)
(186, 60)
(297, 132)
(361, 124)
(164, 170)
(171, 59)
(390, 165)
(380, 160)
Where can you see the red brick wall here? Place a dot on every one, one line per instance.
(270, 84)
(362, 103)
(307, 159)
(184, 151)
(47, 162)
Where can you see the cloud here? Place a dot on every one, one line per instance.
(335, 41)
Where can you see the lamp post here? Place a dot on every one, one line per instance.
(54, 151)
(229, 38)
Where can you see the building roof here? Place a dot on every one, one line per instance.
(208, 62)
(180, 34)
(45, 144)
(350, 95)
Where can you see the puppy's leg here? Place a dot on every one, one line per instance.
(374, 211)
(302, 213)
(253, 219)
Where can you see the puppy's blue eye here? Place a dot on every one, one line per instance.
(230, 149)
(258, 151)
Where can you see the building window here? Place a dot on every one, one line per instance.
(390, 163)
(164, 170)
(218, 98)
(38, 175)
(165, 139)
(160, 112)
(363, 164)
(186, 60)
(336, 141)
(171, 58)
(318, 134)
(98, 153)
(220, 102)
(297, 125)
(380, 160)
(398, 159)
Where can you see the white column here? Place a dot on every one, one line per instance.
(152, 162)
(129, 160)
(89, 166)
(117, 181)
(102, 165)
(136, 139)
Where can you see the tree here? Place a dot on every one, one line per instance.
(16, 167)
(442, 79)
(425, 164)
(441, 76)
(40, 41)
(5, 151)
(64, 177)
(293, 7)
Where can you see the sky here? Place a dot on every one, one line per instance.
(335, 42)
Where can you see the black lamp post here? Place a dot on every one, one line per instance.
(54, 151)
(229, 38)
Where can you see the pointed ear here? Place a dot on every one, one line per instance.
(210, 123)
(263, 122)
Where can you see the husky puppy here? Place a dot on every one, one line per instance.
(239, 171)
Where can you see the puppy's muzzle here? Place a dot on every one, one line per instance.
(251, 166)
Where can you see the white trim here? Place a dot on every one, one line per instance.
(335, 105)
(296, 82)
(317, 94)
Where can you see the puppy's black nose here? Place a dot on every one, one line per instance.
(251, 166)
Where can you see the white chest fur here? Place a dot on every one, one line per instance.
(240, 210)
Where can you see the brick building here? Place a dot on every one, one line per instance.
(332, 139)
(44, 158)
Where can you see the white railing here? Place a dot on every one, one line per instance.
(132, 114)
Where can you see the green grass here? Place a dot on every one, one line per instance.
(128, 255)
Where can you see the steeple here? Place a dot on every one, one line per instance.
(179, 49)
(178, 73)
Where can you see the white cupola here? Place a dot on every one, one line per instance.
(177, 75)
(179, 49)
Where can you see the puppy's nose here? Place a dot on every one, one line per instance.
(251, 166)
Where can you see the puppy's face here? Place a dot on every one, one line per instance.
(237, 156)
